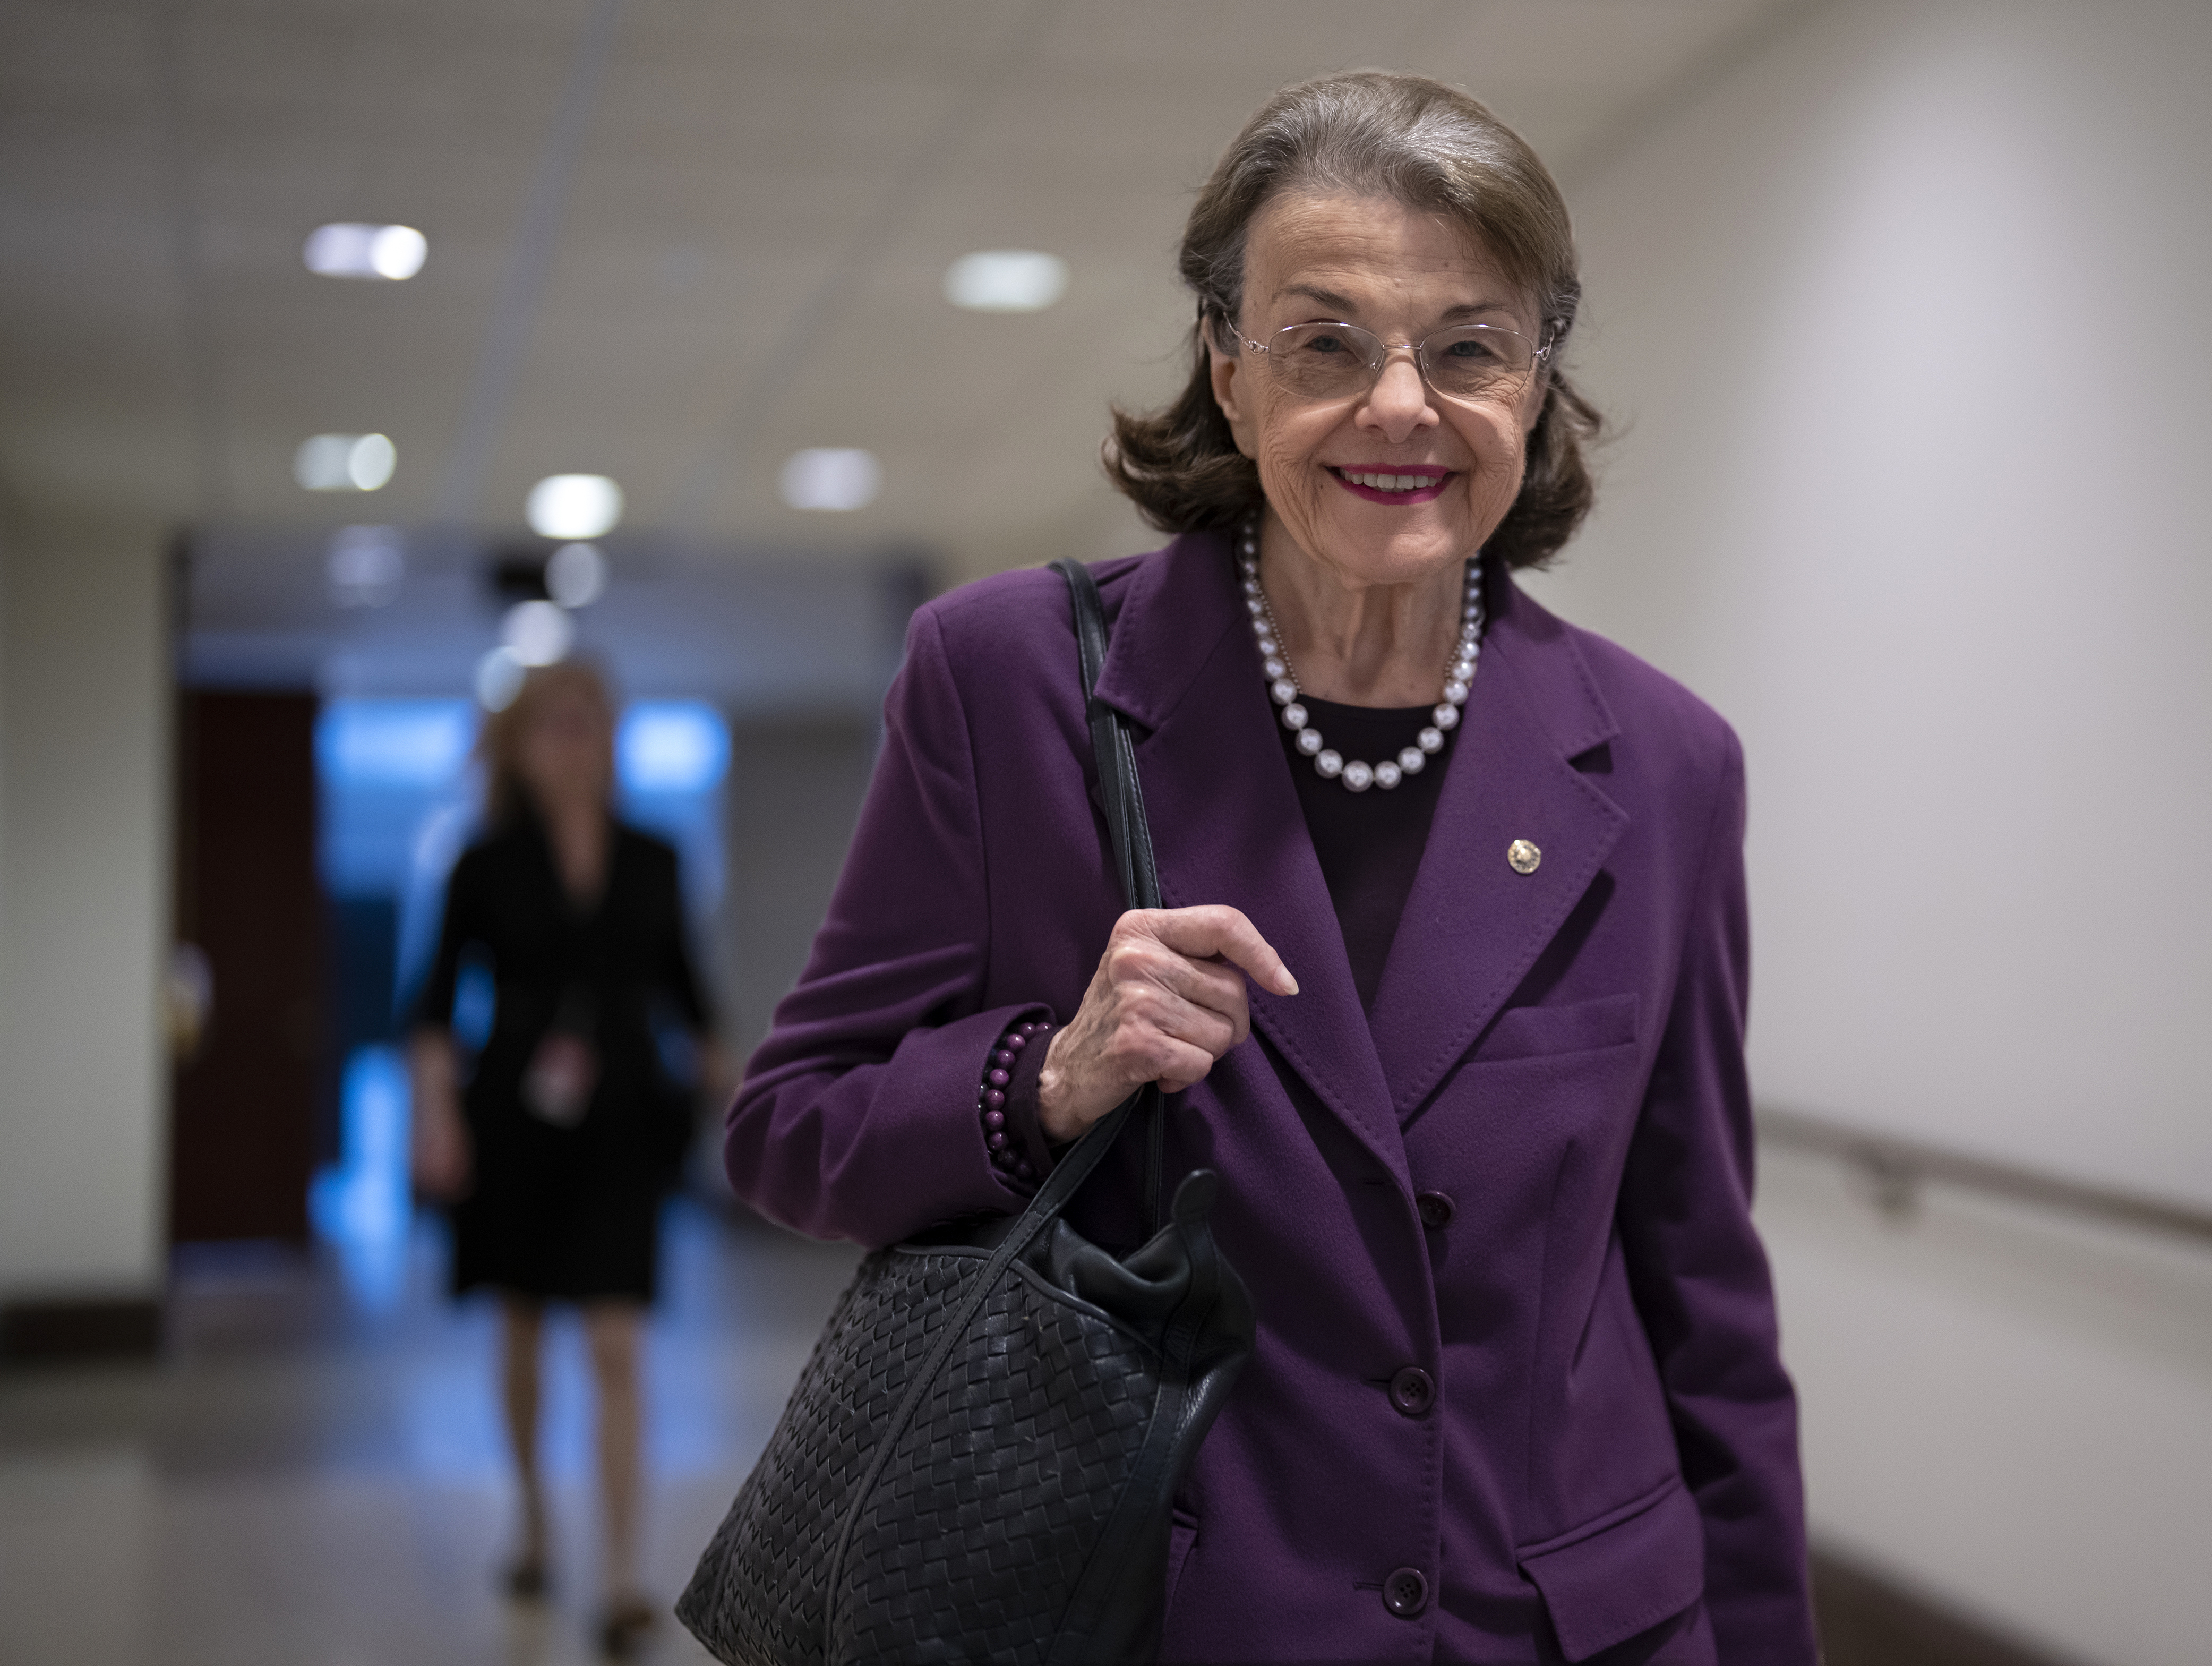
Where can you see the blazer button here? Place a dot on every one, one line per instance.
(1436, 1209)
(1406, 1592)
(1413, 1391)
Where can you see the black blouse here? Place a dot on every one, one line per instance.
(618, 964)
(1369, 843)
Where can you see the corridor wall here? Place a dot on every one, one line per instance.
(786, 850)
(1899, 318)
(84, 853)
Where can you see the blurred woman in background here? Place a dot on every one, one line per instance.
(555, 1150)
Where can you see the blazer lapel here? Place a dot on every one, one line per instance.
(1227, 825)
(1473, 926)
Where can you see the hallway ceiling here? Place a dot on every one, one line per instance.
(670, 240)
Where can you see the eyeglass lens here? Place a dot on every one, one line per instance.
(1341, 360)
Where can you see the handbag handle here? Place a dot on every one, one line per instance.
(1116, 755)
(1111, 747)
(1114, 750)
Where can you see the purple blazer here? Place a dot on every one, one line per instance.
(1527, 1173)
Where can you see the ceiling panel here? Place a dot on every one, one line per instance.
(740, 254)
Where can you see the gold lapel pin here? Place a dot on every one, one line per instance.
(1523, 856)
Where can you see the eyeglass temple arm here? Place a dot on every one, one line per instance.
(1212, 313)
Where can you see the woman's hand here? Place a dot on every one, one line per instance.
(1167, 1000)
(440, 1153)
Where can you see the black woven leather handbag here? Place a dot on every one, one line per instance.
(977, 1461)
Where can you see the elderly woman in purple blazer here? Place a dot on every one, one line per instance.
(1451, 987)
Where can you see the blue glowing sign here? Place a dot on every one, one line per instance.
(672, 746)
(394, 743)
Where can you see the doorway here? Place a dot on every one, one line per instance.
(250, 925)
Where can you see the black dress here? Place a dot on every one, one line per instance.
(566, 1205)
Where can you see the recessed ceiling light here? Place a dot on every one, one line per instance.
(575, 506)
(351, 250)
(344, 462)
(575, 575)
(1006, 280)
(537, 633)
(365, 565)
(831, 478)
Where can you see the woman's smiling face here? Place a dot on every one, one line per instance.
(1336, 474)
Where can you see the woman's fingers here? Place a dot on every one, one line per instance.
(1182, 971)
(1202, 1024)
(1144, 971)
(1187, 1069)
(1157, 1056)
(1168, 999)
(1215, 929)
(1204, 1001)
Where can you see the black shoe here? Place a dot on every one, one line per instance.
(525, 1581)
(624, 1627)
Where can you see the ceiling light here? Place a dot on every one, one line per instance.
(351, 250)
(831, 478)
(537, 633)
(365, 565)
(344, 462)
(575, 575)
(499, 679)
(575, 506)
(1006, 280)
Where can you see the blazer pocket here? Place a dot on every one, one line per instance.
(1527, 1032)
(1624, 1573)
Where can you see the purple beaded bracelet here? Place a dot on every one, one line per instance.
(991, 1101)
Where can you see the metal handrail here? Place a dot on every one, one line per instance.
(1898, 1167)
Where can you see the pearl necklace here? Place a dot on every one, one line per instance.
(1283, 684)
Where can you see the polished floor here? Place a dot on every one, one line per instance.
(312, 1475)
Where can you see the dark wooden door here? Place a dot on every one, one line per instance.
(242, 1136)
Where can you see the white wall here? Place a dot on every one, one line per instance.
(1907, 325)
(2009, 1412)
(1904, 321)
(786, 848)
(84, 906)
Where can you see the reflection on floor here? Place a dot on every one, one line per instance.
(312, 1475)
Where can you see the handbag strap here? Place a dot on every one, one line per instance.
(1111, 747)
(1114, 750)
(1116, 755)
